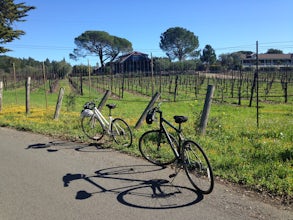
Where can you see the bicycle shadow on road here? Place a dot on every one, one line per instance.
(134, 190)
(54, 146)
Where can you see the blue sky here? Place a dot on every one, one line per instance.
(226, 25)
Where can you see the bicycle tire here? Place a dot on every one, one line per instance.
(121, 132)
(197, 167)
(92, 127)
(154, 147)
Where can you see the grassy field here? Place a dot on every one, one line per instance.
(257, 158)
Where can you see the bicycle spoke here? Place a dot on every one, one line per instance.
(155, 148)
(197, 167)
(92, 128)
(121, 132)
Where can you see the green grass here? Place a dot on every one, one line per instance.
(258, 158)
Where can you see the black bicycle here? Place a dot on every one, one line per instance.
(162, 148)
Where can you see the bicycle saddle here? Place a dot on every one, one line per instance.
(180, 119)
(111, 106)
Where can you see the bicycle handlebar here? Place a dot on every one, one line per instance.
(151, 114)
(89, 105)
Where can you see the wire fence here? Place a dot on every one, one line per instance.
(231, 86)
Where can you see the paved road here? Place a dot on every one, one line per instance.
(44, 178)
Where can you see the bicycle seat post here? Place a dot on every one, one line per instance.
(110, 106)
(179, 127)
(179, 120)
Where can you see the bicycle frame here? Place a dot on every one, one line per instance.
(106, 124)
(177, 130)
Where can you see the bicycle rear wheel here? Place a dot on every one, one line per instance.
(121, 132)
(92, 127)
(154, 147)
(197, 167)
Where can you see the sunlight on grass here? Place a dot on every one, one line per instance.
(259, 158)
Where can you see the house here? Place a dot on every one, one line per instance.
(267, 60)
(132, 62)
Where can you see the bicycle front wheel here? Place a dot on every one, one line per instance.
(154, 147)
(121, 132)
(92, 127)
(197, 167)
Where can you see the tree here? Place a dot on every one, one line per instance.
(179, 43)
(119, 45)
(245, 52)
(274, 51)
(231, 61)
(100, 43)
(9, 14)
(208, 56)
(60, 68)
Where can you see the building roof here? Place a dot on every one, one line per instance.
(268, 56)
(124, 57)
(275, 56)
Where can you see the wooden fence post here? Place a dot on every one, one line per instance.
(176, 87)
(59, 103)
(45, 80)
(143, 116)
(27, 95)
(104, 99)
(1, 95)
(81, 84)
(14, 77)
(89, 75)
(206, 109)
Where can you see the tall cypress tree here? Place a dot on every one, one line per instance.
(10, 13)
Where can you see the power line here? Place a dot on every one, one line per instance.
(265, 45)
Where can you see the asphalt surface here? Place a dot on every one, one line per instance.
(45, 178)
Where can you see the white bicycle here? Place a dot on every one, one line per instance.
(95, 125)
